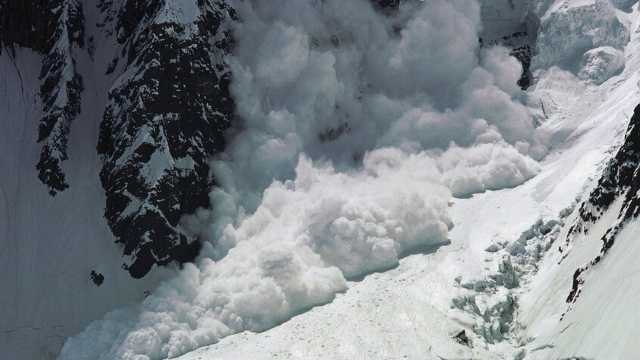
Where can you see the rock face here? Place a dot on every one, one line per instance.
(114, 107)
(60, 91)
(585, 25)
(165, 117)
(25, 24)
(619, 181)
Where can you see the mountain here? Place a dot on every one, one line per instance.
(135, 132)
(115, 107)
(545, 270)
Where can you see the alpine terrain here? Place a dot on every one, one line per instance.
(319, 179)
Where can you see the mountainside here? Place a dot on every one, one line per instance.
(166, 115)
(318, 179)
(114, 107)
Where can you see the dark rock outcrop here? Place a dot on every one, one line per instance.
(166, 114)
(165, 118)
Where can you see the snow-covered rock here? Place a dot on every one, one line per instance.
(624, 4)
(60, 90)
(166, 116)
(62, 64)
(156, 105)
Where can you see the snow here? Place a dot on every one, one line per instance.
(601, 323)
(316, 66)
(571, 27)
(49, 246)
(600, 64)
(352, 205)
(406, 312)
(364, 262)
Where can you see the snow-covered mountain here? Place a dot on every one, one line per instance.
(375, 179)
(110, 112)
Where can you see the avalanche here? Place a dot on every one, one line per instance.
(387, 123)
(362, 179)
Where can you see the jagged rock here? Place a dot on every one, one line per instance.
(53, 28)
(96, 277)
(26, 24)
(165, 118)
(60, 91)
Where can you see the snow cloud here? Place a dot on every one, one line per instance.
(357, 128)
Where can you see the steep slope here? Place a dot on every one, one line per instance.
(124, 103)
(66, 67)
(345, 164)
(166, 116)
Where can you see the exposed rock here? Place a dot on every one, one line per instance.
(60, 91)
(26, 24)
(96, 277)
(165, 118)
(620, 179)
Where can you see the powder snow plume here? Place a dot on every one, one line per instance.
(357, 129)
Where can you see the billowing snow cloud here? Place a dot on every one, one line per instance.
(293, 253)
(335, 79)
(357, 128)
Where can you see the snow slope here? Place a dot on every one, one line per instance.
(49, 246)
(598, 324)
